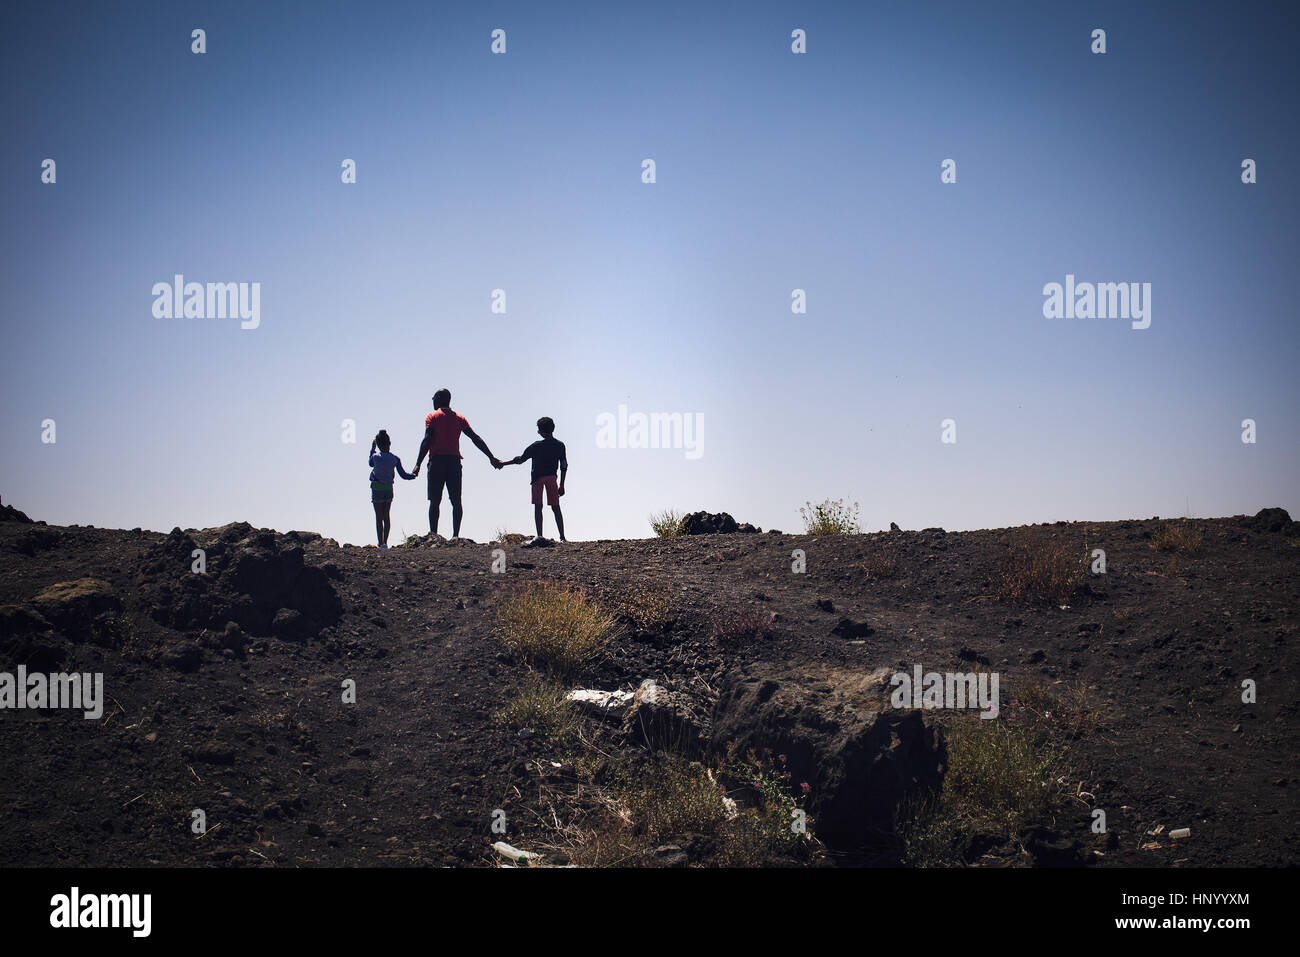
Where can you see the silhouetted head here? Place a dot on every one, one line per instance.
(442, 399)
(546, 426)
(383, 441)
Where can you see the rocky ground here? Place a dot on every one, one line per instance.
(224, 690)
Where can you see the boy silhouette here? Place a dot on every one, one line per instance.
(547, 455)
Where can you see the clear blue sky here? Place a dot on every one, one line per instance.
(775, 171)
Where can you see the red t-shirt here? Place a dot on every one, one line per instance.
(447, 427)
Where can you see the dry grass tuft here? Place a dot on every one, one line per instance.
(1046, 569)
(555, 626)
(880, 562)
(743, 624)
(1178, 537)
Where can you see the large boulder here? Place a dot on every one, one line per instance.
(862, 758)
(1272, 520)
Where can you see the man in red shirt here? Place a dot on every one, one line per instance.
(442, 429)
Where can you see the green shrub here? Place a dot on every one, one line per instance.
(667, 524)
(539, 704)
(830, 518)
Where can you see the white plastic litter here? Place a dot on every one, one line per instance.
(1181, 832)
(601, 699)
(505, 850)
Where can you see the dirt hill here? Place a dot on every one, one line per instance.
(224, 693)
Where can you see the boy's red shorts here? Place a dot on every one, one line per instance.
(552, 490)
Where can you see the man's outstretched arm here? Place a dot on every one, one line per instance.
(482, 446)
(426, 445)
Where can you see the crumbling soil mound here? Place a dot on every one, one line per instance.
(254, 578)
(10, 514)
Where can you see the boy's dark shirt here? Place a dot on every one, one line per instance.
(547, 456)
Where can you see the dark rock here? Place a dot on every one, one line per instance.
(10, 514)
(214, 752)
(863, 759)
(1272, 520)
(233, 637)
(708, 523)
(1050, 849)
(847, 628)
(825, 604)
(184, 656)
(894, 528)
(670, 855)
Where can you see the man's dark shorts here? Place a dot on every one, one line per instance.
(444, 470)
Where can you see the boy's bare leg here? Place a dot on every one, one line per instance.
(537, 516)
(559, 520)
(379, 522)
(388, 520)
